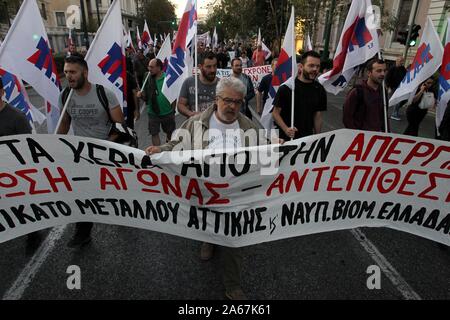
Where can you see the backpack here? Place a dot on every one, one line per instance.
(126, 136)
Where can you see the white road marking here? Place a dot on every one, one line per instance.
(397, 280)
(31, 269)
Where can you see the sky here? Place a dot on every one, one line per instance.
(181, 4)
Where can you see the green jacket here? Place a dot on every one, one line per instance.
(190, 135)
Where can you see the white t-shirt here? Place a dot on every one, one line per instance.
(222, 135)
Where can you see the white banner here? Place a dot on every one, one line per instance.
(332, 181)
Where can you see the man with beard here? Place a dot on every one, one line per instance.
(160, 111)
(207, 82)
(310, 101)
(88, 117)
(236, 66)
(363, 107)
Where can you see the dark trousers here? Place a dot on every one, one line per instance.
(414, 115)
(83, 228)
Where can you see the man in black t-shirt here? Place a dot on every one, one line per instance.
(310, 101)
(12, 122)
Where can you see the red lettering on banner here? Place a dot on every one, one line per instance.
(415, 153)
(293, 177)
(120, 172)
(393, 182)
(432, 178)
(193, 189)
(353, 174)
(333, 178)
(107, 178)
(319, 176)
(278, 183)
(216, 199)
(53, 180)
(391, 150)
(436, 153)
(153, 183)
(166, 184)
(25, 175)
(407, 181)
(355, 149)
(381, 149)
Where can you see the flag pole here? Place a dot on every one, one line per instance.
(294, 64)
(196, 72)
(63, 110)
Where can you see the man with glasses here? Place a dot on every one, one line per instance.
(222, 126)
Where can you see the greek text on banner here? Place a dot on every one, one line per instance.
(332, 181)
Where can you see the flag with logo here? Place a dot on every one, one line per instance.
(177, 70)
(106, 56)
(426, 62)
(16, 96)
(358, 43)
(26, 53)
(127, 40)
(165, 52)
(266, 50)
(146, 39)
(285, 72)
(444, 80)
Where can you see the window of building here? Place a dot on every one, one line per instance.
(403, 13)
(43, 11)
(130, 23)
(60, 19)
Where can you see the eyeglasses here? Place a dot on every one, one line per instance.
(229, 101)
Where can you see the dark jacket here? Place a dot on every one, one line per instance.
(363, 108)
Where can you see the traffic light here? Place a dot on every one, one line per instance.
(414, 34)
(402, 36)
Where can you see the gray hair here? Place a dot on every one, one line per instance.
(231, 83)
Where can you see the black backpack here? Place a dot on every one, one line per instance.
(127, 136)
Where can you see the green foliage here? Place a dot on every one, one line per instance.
(160, 16)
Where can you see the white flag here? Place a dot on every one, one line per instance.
(444, 80)
(177, 71)
(26, 53)
(215, 39)
(106, 56)
(285, 72)
(358, 43)
(426, 62)
(165, 53)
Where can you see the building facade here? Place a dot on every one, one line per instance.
(54, 15)
(399, 12)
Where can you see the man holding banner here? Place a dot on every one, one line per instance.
(90, 111)
(221, 126)
(310, 101)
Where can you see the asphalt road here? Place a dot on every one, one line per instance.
(126, 263)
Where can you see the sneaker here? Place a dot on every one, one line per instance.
(394, 117)
(206, 251)
(236, 294)
(79, 240)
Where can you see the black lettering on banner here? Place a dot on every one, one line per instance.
(99, 206)
(191, 164)
(432, 220)
(61, 207)
(236, 224)
(146, 163)
(21, 216)
(285, 150)
(444, 224)
(204, 217)
(85, 205)
(37, 151)
(193, 218)
(245, 168)
(91, 150)
(76, 151)
(8, 220)
(13, 149)
(113, 154)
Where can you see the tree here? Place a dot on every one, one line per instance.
(160, 15)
